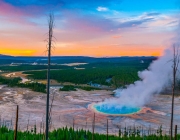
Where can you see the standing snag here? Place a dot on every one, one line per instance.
(175, 61)
(50, 42)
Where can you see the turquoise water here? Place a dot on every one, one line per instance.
(115, 110)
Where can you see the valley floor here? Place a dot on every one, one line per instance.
(72, 108)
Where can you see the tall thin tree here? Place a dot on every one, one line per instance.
(175, 64)
(50, 42)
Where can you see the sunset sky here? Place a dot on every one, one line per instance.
(88, 27)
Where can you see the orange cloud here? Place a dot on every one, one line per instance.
(101, 51)
(16, 52)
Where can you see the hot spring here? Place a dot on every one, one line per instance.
(115, 109)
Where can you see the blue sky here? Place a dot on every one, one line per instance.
(91, 5)
(111, 27)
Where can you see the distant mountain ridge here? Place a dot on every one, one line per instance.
(5, 59)
(105, 57)
(5, 56)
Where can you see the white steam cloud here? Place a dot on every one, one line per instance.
(153, 80)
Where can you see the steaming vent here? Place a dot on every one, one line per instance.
(135, 96)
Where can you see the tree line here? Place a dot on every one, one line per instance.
(15, 82)
(80, 134)
(73, 88)
(120, 75)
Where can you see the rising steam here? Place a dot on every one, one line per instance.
(153, 80)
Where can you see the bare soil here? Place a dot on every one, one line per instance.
(75, 105)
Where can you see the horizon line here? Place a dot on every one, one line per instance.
(78, 56)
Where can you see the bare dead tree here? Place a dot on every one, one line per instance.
(50, 110)
(93, 126)
(28, 123)
(107, 133)
(16, 123)
(175, 64)
(49, 47)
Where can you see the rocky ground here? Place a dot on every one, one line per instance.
(72, 109)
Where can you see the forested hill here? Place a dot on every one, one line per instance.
(4, 59)
(116, 71)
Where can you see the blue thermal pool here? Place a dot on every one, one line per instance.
(115, 110)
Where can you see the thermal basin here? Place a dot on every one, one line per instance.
(115, 109)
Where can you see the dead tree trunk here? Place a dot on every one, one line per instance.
(73, 124)
(93, 125)
(16, 123)
(107, 131)
(175, 133)
(50, 36)
(175, 67)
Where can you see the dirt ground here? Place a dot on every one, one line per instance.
(24, 76)
(70, 108)
(15, 74)
(74, 64)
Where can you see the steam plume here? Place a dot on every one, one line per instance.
(153, 80)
